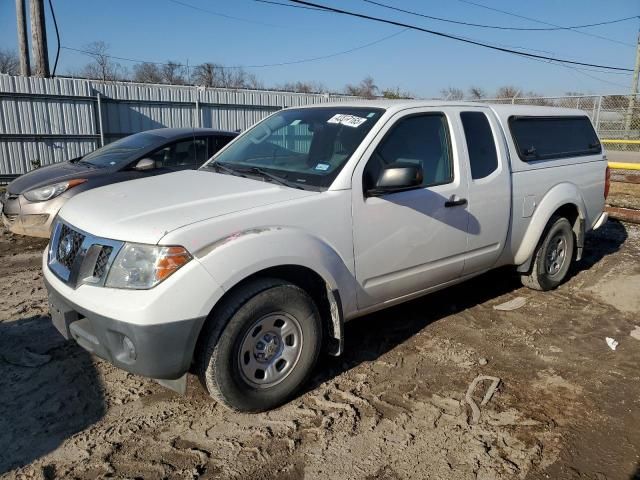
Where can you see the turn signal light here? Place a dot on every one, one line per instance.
(171, 259)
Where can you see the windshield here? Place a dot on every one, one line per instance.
(305, 146)
(120, 151)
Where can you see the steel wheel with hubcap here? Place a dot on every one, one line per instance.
(270, 349)
(553, 256)
(556, 253)
(260, 345)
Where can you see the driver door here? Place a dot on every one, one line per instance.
(410, 241)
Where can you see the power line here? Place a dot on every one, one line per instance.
(271, 2)
(466, 38)
(279, 64)
(223, 15)
(55, 24)
(454, 37)
(516, 47)
(542, 22)
(497, 27)
(582, 71)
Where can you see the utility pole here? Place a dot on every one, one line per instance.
(39, 39)
(23, 45)
(634, 92)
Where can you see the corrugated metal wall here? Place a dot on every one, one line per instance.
(43, 121)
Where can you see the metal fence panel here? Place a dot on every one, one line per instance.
(20, 156)
(43, 121)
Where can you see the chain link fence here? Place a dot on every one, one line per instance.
(616, 117)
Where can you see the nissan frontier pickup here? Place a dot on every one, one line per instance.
(245, 270)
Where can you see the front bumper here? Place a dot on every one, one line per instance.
(161, 351)
(152, 333)
(32, 219)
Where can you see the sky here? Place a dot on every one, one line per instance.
(247, 32)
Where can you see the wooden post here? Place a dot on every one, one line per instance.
(39, 39)
(23, 44)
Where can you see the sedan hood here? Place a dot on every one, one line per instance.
(58, 172)
(147, 209)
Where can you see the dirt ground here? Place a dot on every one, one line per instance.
(391, 408)
(626, 195)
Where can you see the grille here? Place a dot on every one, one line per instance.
(68, 246)
(101, 262)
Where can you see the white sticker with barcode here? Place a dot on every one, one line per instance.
(348, 120)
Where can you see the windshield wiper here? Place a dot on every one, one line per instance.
(272, 177)
(222, 167)
(256, 171)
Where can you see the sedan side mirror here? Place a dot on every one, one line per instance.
(397, 177)
(145, 164)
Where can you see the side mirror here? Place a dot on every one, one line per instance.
(397, 177)
(145, 164)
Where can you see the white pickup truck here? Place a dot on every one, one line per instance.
(245, 270)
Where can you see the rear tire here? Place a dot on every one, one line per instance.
(553, 256)
(260, 346)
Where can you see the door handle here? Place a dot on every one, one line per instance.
(455, 201)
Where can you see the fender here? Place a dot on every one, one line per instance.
(561, 194)
(242, 254)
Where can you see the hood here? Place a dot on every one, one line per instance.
(145, 210)
(51, 174)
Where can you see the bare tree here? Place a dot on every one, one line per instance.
(103, 67)
(366, 88)
(252, 81)
(204, 75)
(508, 91)
(173, 73)
(452, 93)
(215, 75)
(477, 93)
(147, 73)
(303, 87)
(9, 62)
(395, 94)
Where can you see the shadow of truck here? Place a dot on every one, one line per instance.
(49, 390)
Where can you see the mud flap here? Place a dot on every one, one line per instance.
(580, 239)
(336, 328)
(179, 385)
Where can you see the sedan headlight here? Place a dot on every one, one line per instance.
(140, 266)
(43, 194)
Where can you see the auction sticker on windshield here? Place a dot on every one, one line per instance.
(348, 120)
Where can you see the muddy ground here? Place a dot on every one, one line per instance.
(391, 408)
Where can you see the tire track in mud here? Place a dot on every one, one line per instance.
(392, 408)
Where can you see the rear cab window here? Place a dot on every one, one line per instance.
(483, 157)
(546, 138)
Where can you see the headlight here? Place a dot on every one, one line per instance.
(43, 194)
(144, 266)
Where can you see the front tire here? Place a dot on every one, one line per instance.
(553, 256)
(260, 346)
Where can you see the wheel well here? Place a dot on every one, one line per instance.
(327, 301)
(568, 211)
(571, 213)
(303, 277)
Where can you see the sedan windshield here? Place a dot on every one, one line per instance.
(120, 151)
(306, 146)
